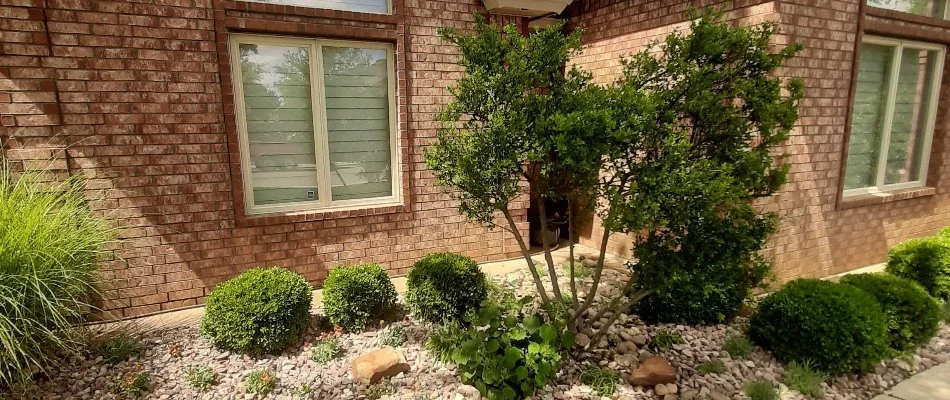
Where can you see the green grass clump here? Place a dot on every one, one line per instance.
(260, 382)
(304, 391)
(200, 378)
(714, 366)
(132, 384)
(325, 350)
(738, 346)
(378, 390)
(393, 336)
(804, 378)
(664, 339)
(581, 271)
(602, 380)
(761, 390)
(118, 348)
(51, 243)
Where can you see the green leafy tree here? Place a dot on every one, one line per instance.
(684, 135)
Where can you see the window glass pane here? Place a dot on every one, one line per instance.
(367, 6)
(911, 108)
(358, 131)
(276, 83)
(867, 118)
(930, 8)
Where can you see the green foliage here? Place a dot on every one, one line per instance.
(325, 350)
(738, 346)
(581, 271)
(443, 287)
(602, 380)
(351, 295)
(261, 311)
(199, 377)
(838, 327)
(261, 382)
(393, 336)
(703, 275)
(945, 311)
(714, 366)
(51, 243)
(132, 384)
(377, 390)
(760, 389)
(912, 315)
(804, 378)
(117, 348)
(664, 339)
(924, 260)
(502, 351)
(304, 391)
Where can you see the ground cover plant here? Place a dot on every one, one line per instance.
(602, 380)
(804, 378)
(260, 382)
(52, 243)
(687, 138)
(118, 347)
(715, 366)
(325, 350)
(199, 377)
(738, 346)
(760, 390)
(261, 311)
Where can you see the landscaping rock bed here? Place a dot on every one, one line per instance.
(167, 354)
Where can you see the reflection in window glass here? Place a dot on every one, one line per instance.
(930, 8)
(366, 6)
(912, 104)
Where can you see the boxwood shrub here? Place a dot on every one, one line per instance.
(839, 328)
(443, 287)
(924, 260)
(261, 311)
(351, 295)
(912, 315)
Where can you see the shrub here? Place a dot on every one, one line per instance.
(760, 390)
(260, 382)
(52, 243)
(706, 275)
(804, 378)
(199, 377)
(393, 336)
(351, 295)
(738, 346)
(715, 366)
(664, 339)
(838, 327)
(509, 354)
(443, 287)
(602, 380)
(132, 384)
(325, 350)
(924, 260)
(118, 348)
(261, 311)
(945, 312)
(912, 315)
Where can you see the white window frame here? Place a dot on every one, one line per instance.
(929, 124)
(389, 6)
(321, 136)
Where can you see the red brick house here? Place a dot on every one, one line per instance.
(226, 134)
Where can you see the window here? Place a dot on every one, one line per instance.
(316, 123)
(366, 6)
(892, 119)
(929, 8)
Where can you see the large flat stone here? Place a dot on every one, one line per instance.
(378, 364)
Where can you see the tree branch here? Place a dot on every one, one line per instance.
(527, 256)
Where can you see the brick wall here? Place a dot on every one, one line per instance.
(145, 110)
(820, 234)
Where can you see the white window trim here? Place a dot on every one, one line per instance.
(929, 124)
(321, 138)
(389, 7)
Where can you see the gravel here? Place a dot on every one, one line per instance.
(169, 352)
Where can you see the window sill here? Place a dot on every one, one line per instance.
(287, 217)
(863, 200)
(907, 17)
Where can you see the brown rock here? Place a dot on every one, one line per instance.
(373, 366)
(653, 370)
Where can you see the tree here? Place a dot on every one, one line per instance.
(689, 133)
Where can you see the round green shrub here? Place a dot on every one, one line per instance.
(261, 311)
(442, 287)
(912, 315)
(925, 261)
(351, 295)
(839, 328)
